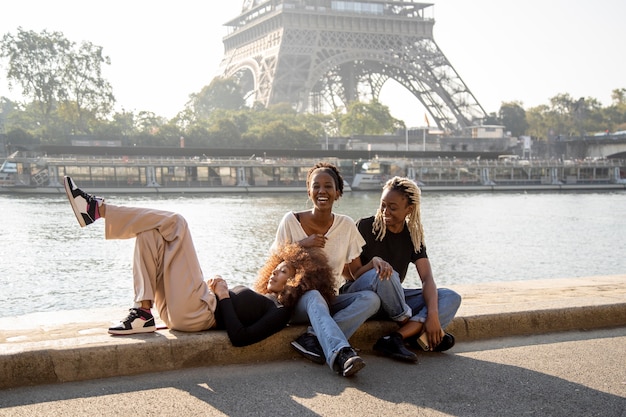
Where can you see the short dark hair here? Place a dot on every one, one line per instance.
(332, 170)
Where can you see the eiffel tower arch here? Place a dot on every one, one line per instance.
(321, 55)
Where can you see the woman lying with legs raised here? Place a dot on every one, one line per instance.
(167, 276)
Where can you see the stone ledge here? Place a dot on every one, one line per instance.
(51, 348)
(168, 350)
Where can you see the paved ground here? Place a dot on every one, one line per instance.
(563, 354)
(569, 374)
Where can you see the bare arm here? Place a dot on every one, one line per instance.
(382, 267)
(432, 326)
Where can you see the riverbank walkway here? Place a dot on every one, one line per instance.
(46, 348)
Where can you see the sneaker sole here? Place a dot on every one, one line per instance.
(356, 365)
(68, 190)
(149, 329)
(308, 354)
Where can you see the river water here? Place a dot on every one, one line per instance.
(49, 263)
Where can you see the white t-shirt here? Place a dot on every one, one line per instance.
(343, 241)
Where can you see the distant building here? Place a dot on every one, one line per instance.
(485, 132)
(483, 138)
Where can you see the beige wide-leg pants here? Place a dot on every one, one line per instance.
(165, 265)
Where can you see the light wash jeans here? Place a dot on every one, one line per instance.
(448, 303)
(348, 311)
(390, 291)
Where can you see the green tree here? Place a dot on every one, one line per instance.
(538, 122)
(278, 134)
(513, 116)
(280, 126)
(63, 81)
(89, 96)
(492, 119)
(224, 133)
(221, 93)
(616, 112)
(371, 118)
(36, 62)
(619, 96)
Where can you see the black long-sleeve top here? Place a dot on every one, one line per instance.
(249, 317)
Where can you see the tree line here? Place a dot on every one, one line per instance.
(66, 96)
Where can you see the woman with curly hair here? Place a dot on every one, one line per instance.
(311, 271)
(248, 317)
(167, 275)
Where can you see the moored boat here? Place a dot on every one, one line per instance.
(141, 175)
(144, 175)
(494, 175)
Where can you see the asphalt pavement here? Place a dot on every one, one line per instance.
(569, 374)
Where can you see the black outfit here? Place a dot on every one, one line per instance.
(392, 249)
(249, 317)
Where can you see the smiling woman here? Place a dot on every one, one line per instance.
(332, 324)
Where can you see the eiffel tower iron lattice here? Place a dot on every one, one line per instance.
(320, 55)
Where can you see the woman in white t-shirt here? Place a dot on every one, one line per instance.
(331, 325)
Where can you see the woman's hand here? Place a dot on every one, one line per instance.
(433, 330)
(219, 287)
(313, 241)
(383, 268)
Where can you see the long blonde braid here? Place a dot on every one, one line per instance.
(413, 221)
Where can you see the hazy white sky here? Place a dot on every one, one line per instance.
(528, 51)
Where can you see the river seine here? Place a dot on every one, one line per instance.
(49, 263)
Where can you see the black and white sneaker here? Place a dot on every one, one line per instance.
(348, 362)
(308, 346)
(138, 321)
(85, 205)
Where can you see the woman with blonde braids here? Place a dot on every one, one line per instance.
(394, 239)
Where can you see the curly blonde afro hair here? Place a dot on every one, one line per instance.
(312, 273)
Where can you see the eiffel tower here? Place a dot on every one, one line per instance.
(320, 55)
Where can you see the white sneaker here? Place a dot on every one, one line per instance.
(83, 204)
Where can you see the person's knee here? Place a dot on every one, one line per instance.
(370, 299)
(451, 301)
(453, 297)
(179, 219)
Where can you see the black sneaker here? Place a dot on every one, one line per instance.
(138, 321)
(393, 346)
(83, 204)
(308, 346)
(447, 341)
(348, 362)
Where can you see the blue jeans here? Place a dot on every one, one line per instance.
(348, 311)
(390, 291)
(448, 304)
